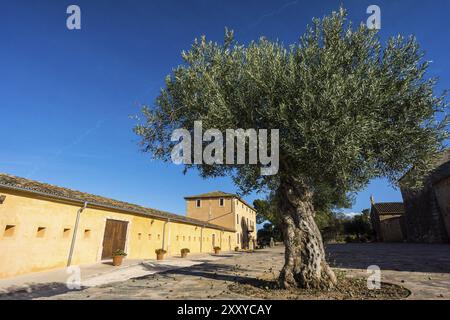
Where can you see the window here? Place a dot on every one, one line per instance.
(178, 238)
(237, 219)
(40, 232)
(198, 203)
(139, 236)
(221, 202)
(159, 236)
(9, 230)
(149, 236)
(66, 232)
(184, 238)
(189, 239)
(87, 234)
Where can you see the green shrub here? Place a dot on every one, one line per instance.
(119, 252)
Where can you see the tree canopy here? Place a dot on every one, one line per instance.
(348, 109)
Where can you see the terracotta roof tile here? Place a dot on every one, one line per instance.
(22, 184)
(386, 208)
(214, 194)
(218, 194)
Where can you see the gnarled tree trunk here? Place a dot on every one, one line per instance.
(305, 265)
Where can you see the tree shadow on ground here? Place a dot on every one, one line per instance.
(214, 271)
(34, 291)
(433, 258)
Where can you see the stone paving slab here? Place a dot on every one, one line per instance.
(146, 268)
(209, 280)
(53, 282)
(423, 269)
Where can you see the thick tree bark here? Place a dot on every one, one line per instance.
(305, 265)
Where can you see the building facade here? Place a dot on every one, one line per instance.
(44, 227)
(427, 216)
(226, 210)
(424, 214)
(387, 220)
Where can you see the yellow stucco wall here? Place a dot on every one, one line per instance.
(245, 216)
(210, 209)
(22, 250)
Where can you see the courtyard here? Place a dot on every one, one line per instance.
(422, 269)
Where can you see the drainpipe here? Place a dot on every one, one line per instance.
(164, 235)
(75, 231)
(201, 239)
(168, 236)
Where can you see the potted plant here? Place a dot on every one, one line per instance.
(236, 248)
(118, 256)
(184, 252)
(160, 254)
(216, 250)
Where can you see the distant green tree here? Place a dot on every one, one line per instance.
(267, 211)
(348, 110)
(360, 226)
(269, 231)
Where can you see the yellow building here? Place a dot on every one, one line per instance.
(226, 210)
(44, 227)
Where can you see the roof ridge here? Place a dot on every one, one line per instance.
(20, 183)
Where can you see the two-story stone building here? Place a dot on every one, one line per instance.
(226, 210)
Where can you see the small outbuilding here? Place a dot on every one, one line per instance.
(388, 221)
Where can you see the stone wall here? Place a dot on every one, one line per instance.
(424, 219)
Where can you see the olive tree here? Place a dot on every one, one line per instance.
(348, 109)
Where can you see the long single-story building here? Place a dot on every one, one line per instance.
(44, 227)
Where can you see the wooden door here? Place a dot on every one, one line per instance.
(114, 238)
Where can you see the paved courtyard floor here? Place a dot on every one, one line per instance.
(423, 269)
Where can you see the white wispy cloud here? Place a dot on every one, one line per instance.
(273, 13)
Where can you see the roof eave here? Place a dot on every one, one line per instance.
(105, 206)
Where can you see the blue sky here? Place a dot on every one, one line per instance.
(66, 96)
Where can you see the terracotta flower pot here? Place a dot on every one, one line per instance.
(184, 254)
(117, 260)
(159, 256)
(216, 251)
